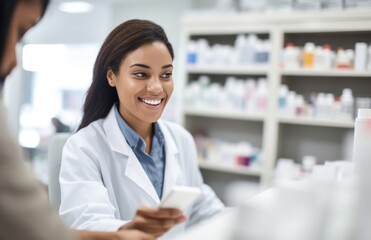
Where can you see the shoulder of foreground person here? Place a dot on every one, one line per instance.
(25, 212)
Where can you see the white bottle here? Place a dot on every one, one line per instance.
(343, 59)
(328, 57)
(319, 58)
(360, 58)
(261, 94)
(251, 42)
(329, 105)
(202, 47)
(320, 107)
(362, 139)
(291, 57)
(369, 58)
(361, 158)
(290, 107)
(347, 104)
(240, 48)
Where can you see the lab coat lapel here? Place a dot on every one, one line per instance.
(172, 168)
(133, 170)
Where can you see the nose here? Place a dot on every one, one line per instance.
(154, 85)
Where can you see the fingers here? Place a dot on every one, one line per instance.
(135, 234)
(155, 221)
(160, 213)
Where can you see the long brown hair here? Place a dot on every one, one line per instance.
(125, 38)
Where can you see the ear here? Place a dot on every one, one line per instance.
(111, 78)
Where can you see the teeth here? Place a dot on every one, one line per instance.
(151, 102)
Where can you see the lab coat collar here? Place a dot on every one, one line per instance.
(134, 170)
(172, 168)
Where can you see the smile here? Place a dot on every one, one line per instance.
(152, 102)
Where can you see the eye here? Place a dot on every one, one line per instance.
(167, 75)
(141, 75)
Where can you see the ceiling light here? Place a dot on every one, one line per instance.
(75, 7)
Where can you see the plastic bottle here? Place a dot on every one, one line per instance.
(261, 94)
(191, 53)
(251, 42)
(308, 164)
(343, 60)
(360, 59)
(308, 55)
(328, 57)
(250, 95)
(282, 98)
(202, 47)
(369, 58)
(240, 45)
(290, 104)
(291, 57)
(361, 158)
(299, 105)
(329, 105)
(319, 58)
(320, 105)
(362, 138)
(350, 55)
(347, 104)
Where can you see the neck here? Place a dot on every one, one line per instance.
(146, 132)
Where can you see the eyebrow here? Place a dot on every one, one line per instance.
(146, 66)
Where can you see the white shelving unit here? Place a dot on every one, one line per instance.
(233, 70)
(248, 171)
(323, 73)
(223, 114)
(277, 136)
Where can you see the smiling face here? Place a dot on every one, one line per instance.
(25, 16)
(144, 84)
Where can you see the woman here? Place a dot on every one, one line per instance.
(123, 157)
(24, 209)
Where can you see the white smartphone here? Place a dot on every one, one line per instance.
(180, 197)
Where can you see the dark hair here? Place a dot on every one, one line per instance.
(124, 39)
(6, 12)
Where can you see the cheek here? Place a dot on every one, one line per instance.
(169, 87)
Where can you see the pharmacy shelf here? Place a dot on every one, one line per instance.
(248, 171)
(229, 70)
(224, 114)
(277, 133)
(229, 22)
(317, 122)
(326, 73)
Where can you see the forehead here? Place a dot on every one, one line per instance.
(150, 52)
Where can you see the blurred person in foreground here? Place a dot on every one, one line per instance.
(25, 212)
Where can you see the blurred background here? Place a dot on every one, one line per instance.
(268, 88)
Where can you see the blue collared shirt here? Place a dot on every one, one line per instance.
(154, 163)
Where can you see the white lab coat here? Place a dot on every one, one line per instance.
(103, 183)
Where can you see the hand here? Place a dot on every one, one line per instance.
(120, 235)
(133, 235)
(155, 221)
